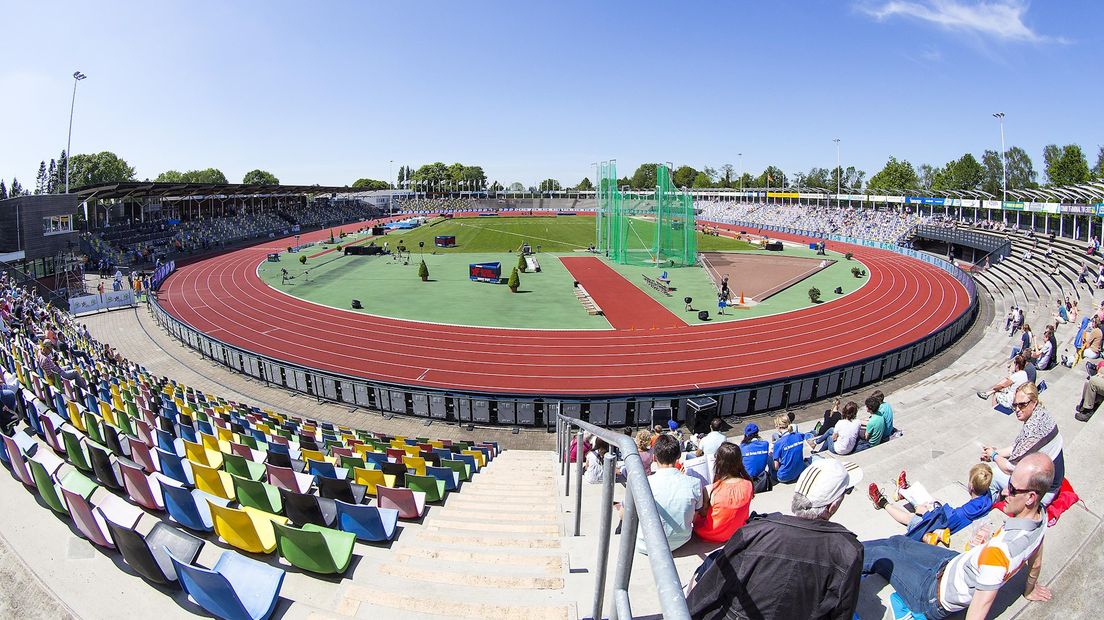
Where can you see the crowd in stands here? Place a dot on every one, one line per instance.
(434, 205)
(885, 225)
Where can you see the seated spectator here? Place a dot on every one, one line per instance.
(757, 458)
(825, 426)
(1091, 392)
(939, 582)
(886, 411)
(782, 566)
(46, 363)
(592, 468)
(1044, 353)
(1026, 345)
(1039, 433)
(845, 435)
(1091, 341)
(1003, 390)
(727, 501)
(788, 451)
(924, 515)
(876, 428)
(677, 496)
(644, 449)
(709, 443)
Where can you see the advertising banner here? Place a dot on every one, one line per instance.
(94, 303)
(1013, 206)
(924, 200)
(991, 204)
(783, 195)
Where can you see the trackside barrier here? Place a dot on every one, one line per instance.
(496, 409)
(639, 512)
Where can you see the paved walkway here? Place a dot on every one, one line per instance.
(624, 305)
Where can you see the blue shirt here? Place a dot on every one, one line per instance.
(789, 451)
(887, 413)
(969, 512)
(756, 456)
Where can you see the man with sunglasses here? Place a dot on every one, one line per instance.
(939, 582)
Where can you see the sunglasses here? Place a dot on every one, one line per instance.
(1012, 490)
(1022, 404)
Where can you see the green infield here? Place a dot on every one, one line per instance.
(386, 286)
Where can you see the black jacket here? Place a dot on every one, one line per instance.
(784, 567)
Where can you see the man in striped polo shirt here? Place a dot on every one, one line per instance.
(939, 582)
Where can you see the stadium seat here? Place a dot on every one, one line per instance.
(325, 469)
(314, 548)
(50, 425)
(16, 461)
(303, 508)
(368, 523)
(149, 556)
(75, 451)
(398, 470)
(281, 459)
(246, 528)
(433, 488)
(190, 507)
(259, 495)
(410, 504)
(448, 476)
(197, 453)
(237, 588)
(213, 481)
(415, 464)
(286, 478)
(49, 488)
(145, 489)
(91, 521)
(372, 477)
(175, 467)
(106, 471)
(467, 459)
(333, 488)
(141, 454)
(241, 466)
(349, 462)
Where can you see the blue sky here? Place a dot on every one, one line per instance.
(330, 92)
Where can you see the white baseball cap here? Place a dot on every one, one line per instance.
(826, 480)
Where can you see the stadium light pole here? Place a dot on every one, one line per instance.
(839, 173)
(741, 157)
(1004, 159)
(390, 187)
(77, 76)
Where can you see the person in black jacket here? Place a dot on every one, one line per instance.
(780, 566)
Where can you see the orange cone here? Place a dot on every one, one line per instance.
(741, 298)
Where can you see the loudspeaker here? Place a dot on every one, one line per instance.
(703, 315)
(356, 304)
(839, 290)
(660, 416)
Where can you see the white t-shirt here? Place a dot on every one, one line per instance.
(848, 431)
(711, 442)
(1017, 378)
(593, 473)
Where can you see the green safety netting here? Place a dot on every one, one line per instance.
(645, 228)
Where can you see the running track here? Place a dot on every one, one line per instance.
(904, 301)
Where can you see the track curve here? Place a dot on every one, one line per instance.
(904, 301)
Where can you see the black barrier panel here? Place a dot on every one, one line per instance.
(381, 399)
(599, 413)
(398, 401)
(420, 404)
(438, 407)
(463, 409)
(481, 411)
(526, 413)
(272, 372)
(852, 376)
(905, 357)
(252, 366)
(725, 402)
(507, 412)
(205, 347)
(644, 411)
(572, 410)
(740, 402)
(300, 379)
(890, 365)
(618, 412)
(872, 371)
(348, 392)
(828, 384)
(776, 394)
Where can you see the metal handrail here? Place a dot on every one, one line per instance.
(639, 510)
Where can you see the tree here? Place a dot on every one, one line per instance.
(3, 190)
(102, 167)
(993, 180)
(964, 173)
(63, 161)
(771, 177)
(1066, 166)
(851, 177)
(53, 181)
(1098, 169)
(515, 281)
(473, 177)
(16, 189)
(1021, 172)
(432, 175)
(895, 175)
(684, 176)
(728, 172)
(41, 180)
(820, 178)
(423, 271)
(624, 182)
(522, 265)
(746, 180)
(516, 186)
(370, 184)
(550, 185)
(260, 177)
(170, 176)
(925, 174)
(711, 174)
(701, 181)
(212, 176)
(496, 187)
(644, 177)
(585, 185)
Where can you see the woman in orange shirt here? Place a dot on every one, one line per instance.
(728, 501)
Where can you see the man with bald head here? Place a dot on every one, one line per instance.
(939, 582)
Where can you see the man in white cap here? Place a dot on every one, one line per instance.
(782, 566)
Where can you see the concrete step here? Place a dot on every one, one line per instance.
(551, 563)
(509, 528)
(485, 539)
(468, 578)
(375, 602)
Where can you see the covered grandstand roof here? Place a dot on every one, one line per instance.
(139, 189)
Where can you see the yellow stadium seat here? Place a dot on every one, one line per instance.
(246, 528)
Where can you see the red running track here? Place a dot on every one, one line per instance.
(624, 305)
(904, 300)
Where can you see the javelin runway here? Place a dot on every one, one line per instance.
(904, 301)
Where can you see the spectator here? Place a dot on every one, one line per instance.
(677, 496)
(939, 582)
(1026, 345)
(1092, 340)
(592, 468)
(875, 432)
(709, 444)
(644, 449)
(845, 435)
(727, 502)
(782, 566)
(1044, 354)
(1003, 390)
(788, 451)
(923, 515)
(1091, 392)
(886, 411)
(824, 427)
(46, 363)
(757, 458)
(1039, 433)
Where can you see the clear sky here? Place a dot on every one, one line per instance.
(327, 92)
